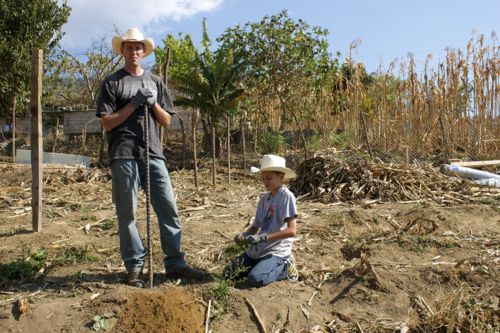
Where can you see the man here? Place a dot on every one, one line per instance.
(124, 99)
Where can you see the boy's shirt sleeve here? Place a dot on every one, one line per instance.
(259, 214)
(289, 208)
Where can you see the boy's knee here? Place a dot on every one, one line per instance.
(255, 280)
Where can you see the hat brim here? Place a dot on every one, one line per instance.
(289, 173)
(117, 42)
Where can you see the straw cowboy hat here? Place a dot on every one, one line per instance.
(133, 35)
(274, 163)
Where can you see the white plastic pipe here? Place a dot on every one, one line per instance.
(468, 173)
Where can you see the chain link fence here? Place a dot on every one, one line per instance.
(242, 143)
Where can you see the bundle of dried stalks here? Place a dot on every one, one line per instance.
(464, 310)
(329, 179)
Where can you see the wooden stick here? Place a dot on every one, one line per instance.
(192, 209)
(36, 139)
(368, 265)
(213, 156)
(207, 318)
(477, 164)
(262, 327)
(309, 302)
(222, 234)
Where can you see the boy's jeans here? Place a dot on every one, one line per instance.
(259, 272)
(127, 178)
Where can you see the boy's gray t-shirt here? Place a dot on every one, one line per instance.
(270, 217)
(126, 141)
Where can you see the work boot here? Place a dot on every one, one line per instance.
(134, 279)
(188, 273)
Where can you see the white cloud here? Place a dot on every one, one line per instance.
(93, 19)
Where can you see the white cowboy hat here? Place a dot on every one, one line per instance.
(274, 163)
(133, 35)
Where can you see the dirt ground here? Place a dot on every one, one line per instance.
(364, 267)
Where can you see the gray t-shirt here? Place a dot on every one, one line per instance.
(127, 140)
(270, 217)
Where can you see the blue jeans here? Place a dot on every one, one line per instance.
(259, 272)
(127, 179)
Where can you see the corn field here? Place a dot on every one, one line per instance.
(451, 111)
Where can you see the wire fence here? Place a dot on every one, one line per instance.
(241, 144)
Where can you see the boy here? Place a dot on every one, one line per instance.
(269, 257)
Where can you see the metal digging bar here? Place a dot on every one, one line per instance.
(148, 209)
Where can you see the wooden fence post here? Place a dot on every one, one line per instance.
(195, 159)
(213, 156)
(36, 139)
(228, 149)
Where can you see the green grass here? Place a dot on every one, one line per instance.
(420, 243)
(233, 250)
(108, 224)
(354, 248)
(24, 267)
(74, 255)
(88, 217)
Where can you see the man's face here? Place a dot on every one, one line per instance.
(133, 52)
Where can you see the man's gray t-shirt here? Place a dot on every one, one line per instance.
(272, 211)
(127, 140)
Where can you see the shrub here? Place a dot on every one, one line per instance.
(271, 142)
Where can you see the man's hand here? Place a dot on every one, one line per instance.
(255, 239)
(142, 95)
(150, 101)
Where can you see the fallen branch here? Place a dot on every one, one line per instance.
(207, 318)
(192, 209)
(369, 268)
(309, 302)
(262, 327)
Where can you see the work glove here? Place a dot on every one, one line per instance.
(141, 96)
(255, 239)
(240, 238)
(150, 101)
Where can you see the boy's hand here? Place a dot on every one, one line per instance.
(255, 239)
(240, 238)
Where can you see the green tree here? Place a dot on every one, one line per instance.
(182, 57)
(206, 80)
(26, 26)
(284, 61)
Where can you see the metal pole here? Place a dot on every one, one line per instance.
(148, 193)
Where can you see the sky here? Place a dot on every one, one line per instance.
(386, 30)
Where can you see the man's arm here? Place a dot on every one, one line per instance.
(111, 120)
(162, 116)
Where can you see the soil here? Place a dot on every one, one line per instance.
(373, 267)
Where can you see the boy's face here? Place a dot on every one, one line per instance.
(272, 180)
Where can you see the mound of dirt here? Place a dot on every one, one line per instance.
(174, 310)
